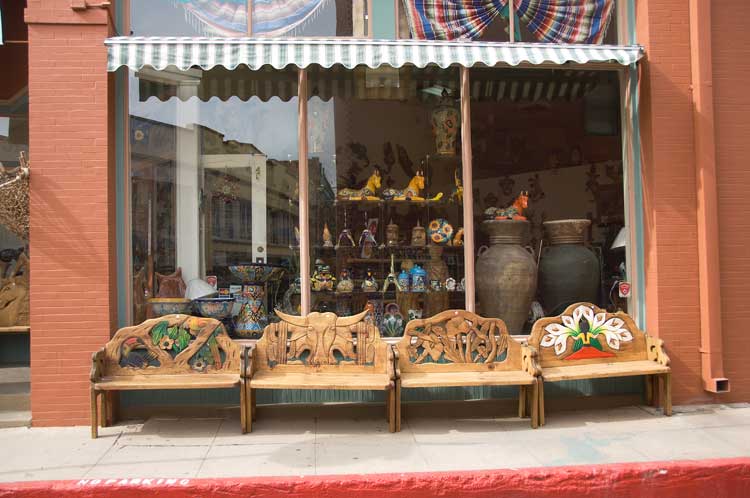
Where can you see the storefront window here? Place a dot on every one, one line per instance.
(548, 191)
(554, 21)
(213, 161)
(268, 18)
(385, 218)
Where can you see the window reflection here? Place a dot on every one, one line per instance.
(214, 180)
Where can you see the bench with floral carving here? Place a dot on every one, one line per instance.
(586, 342)
(457, 348)
(169, 352)
(322, 351)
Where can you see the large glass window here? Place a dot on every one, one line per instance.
(548, 191)
(213, 161)
(385, 218)
(271, 18)
(553, 21)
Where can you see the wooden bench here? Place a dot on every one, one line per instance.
(169, 352)
(322, 351)
(458, 348)
(586, 342)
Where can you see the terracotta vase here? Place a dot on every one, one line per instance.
(569, 272)
(506, 274)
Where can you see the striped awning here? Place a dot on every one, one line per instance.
(206, 53)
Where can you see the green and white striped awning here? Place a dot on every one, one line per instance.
(206, 53)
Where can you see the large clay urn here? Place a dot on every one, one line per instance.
(506, 274)
(569, 271)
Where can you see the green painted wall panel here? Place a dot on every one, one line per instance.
(383, 19)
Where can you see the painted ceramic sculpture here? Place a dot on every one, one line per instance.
(368, 192)
(345, 239)
(346, 284)
(391, 278)
(391, 234)
(418, 279)
(445, 120)
(327, 239)
(440, 231)
(512, 212)
(458, 194)
(418, 236)
(322, 278)
(411, 192)
(369, 284)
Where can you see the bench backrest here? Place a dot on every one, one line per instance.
(321, 342)
(456, 341)
(170, 344)
(585, 334)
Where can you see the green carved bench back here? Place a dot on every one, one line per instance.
(458, 340)
(171, 344)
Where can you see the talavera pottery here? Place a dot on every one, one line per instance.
(257, 273)
(252, 317)
(161, 306)
(440, 231)
(219, 308)
(393, 322)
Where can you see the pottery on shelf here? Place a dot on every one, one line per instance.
(440, 231)
(418, 279)
(506, 273)
(161, 306)
(569, 272)
(252, 318)
(257, 273)
(219, 308)
(392, 324)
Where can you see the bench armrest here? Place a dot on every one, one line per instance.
(389, 368)
(529, 361)
(656, 350)
(248, 352)
(396, 365)
(97, 364)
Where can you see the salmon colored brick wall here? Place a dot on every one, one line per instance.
(70, 235)
(731, 72)
(672, 299)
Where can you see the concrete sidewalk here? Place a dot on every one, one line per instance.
(350, 440)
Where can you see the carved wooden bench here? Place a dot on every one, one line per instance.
(169, 352)
(322, 351)
(586, 342)
(457, 348)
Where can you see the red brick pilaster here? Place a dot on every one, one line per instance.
(71, 242)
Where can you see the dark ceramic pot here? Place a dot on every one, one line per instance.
(569, 272)
(506, 274)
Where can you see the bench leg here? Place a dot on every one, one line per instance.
(94, 414)
(521, 401)
(667, 399)
(243, 407)
(391, 403)
(388, 405)
(250, 400)
(655, 387)
(541, 401)
(253, 404)
(397, 408)
(649, 390)
(535, 404)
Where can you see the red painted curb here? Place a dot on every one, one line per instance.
(728, 478)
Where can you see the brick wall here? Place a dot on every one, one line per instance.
(672, 299)
(731, 72)
(70, 240)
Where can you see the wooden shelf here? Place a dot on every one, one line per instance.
(19, 329)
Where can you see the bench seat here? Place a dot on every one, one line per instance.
(270, 379)
(467, 379)
(603, 370)
(176, 381)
